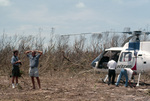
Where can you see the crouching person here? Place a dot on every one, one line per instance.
(15, 68)
(33, 70)
(128, 73)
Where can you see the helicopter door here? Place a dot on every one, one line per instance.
(143, 62)
(126, 60)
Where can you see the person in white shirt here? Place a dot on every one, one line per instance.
(111, 71)
(128, 73)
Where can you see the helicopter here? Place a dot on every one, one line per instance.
(134, 55)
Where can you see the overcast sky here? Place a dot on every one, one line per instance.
(72, 16)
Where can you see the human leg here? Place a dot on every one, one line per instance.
(16, 74)
(13, 85)
(33, 83)
(126, 76)
(36, 74)
(113, 77)
(16, 79)
(109, 77)
(13, 78)
(31, 73)
(38, 81)
(121, 73)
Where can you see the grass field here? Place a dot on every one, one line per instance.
(64, 86)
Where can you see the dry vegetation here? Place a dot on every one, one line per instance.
(61, 70)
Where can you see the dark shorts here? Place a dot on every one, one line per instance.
(16, 72)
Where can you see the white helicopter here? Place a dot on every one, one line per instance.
(134, 55)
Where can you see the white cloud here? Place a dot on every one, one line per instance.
(80, 5)
(4, 3)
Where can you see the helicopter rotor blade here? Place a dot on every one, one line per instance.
(80, 34)
(147, 33)
(127, 32)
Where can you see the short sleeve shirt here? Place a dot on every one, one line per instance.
(111, 65)
(34, 61)
(13, 60)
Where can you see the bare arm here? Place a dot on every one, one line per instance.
(13, 61)
(17, 62)
(39, 52)
(26, 52)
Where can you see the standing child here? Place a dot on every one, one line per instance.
(15, 67)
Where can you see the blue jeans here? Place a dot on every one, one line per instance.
(123, 72)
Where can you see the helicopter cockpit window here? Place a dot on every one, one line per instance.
(112, 54)
(126, 56)
(107, 56)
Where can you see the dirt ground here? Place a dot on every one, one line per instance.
(68, 87)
